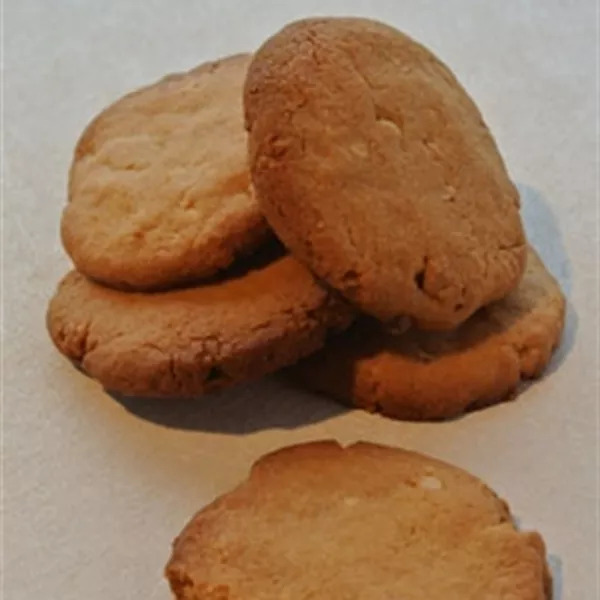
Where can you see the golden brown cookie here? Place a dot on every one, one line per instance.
(433, 375)
(194, 340)
(159, 189)
(362, 523)
(375, 168)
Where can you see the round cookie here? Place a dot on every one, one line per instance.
(434, 375)
(194, 340)
(375, 168)
(362, 523)
(159, 189)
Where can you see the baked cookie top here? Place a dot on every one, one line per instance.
(375, 168)
(194, 340)
(361, 523)
(159, 189)
(433, 375)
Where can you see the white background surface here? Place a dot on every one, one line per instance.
(94, 493)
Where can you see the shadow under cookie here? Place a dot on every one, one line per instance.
(434, 375)
(190, 341)
(245, 409)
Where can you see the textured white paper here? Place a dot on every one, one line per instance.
(93, 492)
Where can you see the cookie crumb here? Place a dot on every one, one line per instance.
(428, 482)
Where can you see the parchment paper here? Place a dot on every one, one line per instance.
(94, 490)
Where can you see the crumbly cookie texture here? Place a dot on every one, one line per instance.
(375, 168)
(194, 340)
(159, 189)
(433, 375)
(364, 522)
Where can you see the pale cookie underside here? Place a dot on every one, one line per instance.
(159, 189)
(191, 341)
(432, 375)
(375, 168)
(362, 523)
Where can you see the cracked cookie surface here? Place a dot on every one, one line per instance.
(194, 340)
(433, 375)
(365, 522)
(159, 189)
(375, 168)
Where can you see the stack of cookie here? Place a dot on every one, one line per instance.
(180, 287)
(362, 192)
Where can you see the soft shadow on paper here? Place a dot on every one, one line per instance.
(545, 235)
(556, 568)
(240, 410)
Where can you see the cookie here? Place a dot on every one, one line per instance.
(191, 341)
(362, 523)
(375, 168)
(159, 189)
(433, 375)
